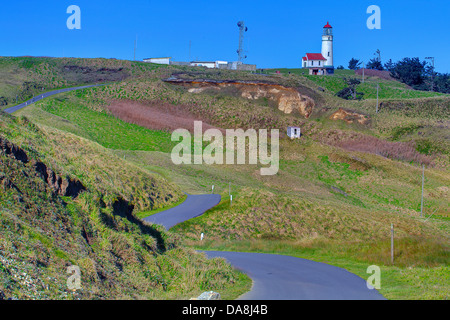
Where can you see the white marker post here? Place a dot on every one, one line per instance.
(201, 236)
(212, 189)
(231, 199)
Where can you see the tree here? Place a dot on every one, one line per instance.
(354, 64)
(419, 74)
(441, 82)
(349, 93)
(389, 66)
(340, 67)
(375, 63)
(410, 71)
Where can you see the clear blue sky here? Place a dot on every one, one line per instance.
(280, 32)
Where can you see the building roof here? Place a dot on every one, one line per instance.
(327, 25)
(158, 58)
(314, 56)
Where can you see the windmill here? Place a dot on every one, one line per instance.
(240, 51)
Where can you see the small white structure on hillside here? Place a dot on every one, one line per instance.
(293, 132)
(164, 60)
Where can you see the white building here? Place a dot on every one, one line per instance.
(321, 63)
(293, 132)
(208, 64)
(164, 60)
(221, 64)
(315, 62)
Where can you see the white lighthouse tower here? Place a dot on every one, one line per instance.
(327, 48)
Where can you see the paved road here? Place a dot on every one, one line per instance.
(193, 206)
(275, 277)
(280, 277)
(45, 95)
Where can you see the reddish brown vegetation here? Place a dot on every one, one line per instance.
(155, 115)
(375, 73)
(404, 151)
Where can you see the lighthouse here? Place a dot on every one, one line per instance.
(327, 48)
(321, 63)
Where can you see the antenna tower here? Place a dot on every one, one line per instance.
(240, 51)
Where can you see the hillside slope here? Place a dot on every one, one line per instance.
(338, 189)
(24, 77)
(60, 209)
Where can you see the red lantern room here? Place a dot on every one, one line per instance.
(327, 29)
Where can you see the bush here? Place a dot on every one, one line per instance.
(3, 101)
(349, 93)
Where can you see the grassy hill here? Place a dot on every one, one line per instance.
(388, 88)
(44, 230)
(24, 77)
(337, 192)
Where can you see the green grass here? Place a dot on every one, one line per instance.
(388, 89)
(106, 129)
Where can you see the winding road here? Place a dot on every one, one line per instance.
(275, 277)
(46, 95)
(193, 206)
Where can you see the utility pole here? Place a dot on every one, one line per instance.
(135, 45)
(363, 73)
(377, 97)
(190, 44)
(432, 72)
(421, 201)
(392, 243)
